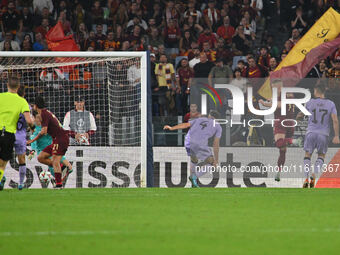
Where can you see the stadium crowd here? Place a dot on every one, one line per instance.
(179, 35)
(231, 39)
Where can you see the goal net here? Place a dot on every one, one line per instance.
(96, 94)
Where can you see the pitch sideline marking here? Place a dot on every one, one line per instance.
(116, 232)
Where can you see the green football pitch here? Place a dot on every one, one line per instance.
(170, 221)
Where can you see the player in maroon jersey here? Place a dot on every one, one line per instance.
(51, 125)
(283, 135)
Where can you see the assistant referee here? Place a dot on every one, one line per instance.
(11, 106)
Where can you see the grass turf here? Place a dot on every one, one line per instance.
(170, 221)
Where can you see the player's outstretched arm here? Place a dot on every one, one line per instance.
(179, 126)
(336, 129)
(42, 132)
(29, 120)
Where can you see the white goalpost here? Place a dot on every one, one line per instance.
(113, 88)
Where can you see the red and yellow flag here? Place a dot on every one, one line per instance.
(318, 43)
(57, 41)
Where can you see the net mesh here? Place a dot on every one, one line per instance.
(111, 90)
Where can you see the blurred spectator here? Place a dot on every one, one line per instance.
(241, 44)
(151, 24)
(133, 10)
(43, 28)
(135, 37)
(211, 54)
(45, 14)
(223, 52)
(184, 75)
(171, 34)
(257, 5)
(334, 72)
(65, 23)
(272, 48)
(110, 43)
(288, 45)
(79, 16)
(165, 74)
(185, 42)
(62, 8)
(322, 68)
(298, 21)
(239, 81)
(264, 59)
(295, 36)
(26, 46)
(171, 13)
(136, 21)
(226, 31)
(191, 11)
(11, 20)
(7, 46)
(220, 71)
(27, 20)
(118, 35)
(81, 34)
(211, 16)
(27, 38)
(191, 25)
(247, 8)
(242, 66)
(100, 36)
(272, 65)
(121, 17)
(154, 39)
(91, 42)
(233, 12)
(14, 44)
(97, 14)
(196, 59)
(40, 43)
(254, 72)
(39, 5)
(248, 30)
(207, 36)
(134, 74)
(126, 46)
(203, 68)
(155, 12)
(250, 21)
(194, 113)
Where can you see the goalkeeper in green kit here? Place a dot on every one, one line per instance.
(40, 144)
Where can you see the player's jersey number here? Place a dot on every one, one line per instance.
(55, 147)
(324, 113)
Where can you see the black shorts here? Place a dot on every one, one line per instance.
(6, 145)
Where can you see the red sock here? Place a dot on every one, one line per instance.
(282, 158)
(58, 178)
